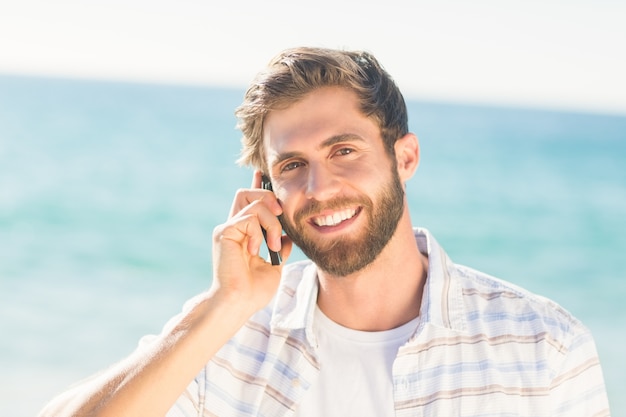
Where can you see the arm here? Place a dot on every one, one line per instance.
(149, 381)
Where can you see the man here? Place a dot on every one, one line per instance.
(380, 321)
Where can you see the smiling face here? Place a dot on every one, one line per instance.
(341, 194)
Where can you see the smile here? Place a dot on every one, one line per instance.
(335, 218)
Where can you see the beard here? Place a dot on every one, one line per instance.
(349, 254)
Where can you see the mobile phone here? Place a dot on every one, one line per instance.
(274, 256)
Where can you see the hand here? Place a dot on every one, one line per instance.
(238, 270)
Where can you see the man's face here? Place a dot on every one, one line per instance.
(341, 194)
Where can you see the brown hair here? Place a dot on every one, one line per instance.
(296, 72)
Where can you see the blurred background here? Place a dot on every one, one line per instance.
(118, 142)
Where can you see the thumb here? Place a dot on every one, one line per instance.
(286, 247)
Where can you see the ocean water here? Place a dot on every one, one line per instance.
(109, 193)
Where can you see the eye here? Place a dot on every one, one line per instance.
(291, 166)
(344, 151)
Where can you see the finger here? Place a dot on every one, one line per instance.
(273, 229)
(247, 196)
(286, 247)
(241, 231)
(256, 179)
(265, 219)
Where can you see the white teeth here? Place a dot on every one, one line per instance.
(335, 219)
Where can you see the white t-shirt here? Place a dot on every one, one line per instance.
(355, 377)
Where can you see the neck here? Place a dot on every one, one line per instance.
(385, 294)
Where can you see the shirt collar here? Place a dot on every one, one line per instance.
(442, 302)
(294, 305)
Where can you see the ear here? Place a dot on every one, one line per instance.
(407, 155)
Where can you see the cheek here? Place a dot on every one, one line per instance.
(286, 198)
(366, 178)
(369, 167)
(288, 190)
(353, 174)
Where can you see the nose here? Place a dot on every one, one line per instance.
(321, 183)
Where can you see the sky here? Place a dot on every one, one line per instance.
(563, 54)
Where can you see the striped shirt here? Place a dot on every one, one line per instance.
(482, 347)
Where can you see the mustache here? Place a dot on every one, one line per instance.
(314, 206)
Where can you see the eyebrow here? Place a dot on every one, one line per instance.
(344, 137)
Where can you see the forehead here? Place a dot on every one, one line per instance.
(321, 114)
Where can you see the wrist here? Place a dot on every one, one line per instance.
(215, 310)
(233, 305)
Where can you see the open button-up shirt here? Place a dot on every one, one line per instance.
(482, 347)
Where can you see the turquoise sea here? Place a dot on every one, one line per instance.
(109, 193)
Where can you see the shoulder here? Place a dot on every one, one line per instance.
(497, 306)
